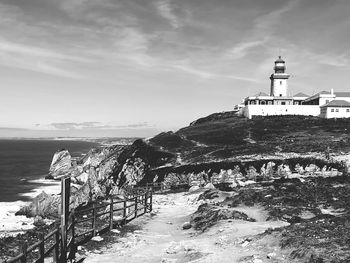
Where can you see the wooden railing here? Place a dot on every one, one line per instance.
(85, 223)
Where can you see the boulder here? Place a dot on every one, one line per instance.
(61, 164)
(208, 215)
(209, 186)
(43, 205)
(194, 188)
(186, 225)
(82, 178)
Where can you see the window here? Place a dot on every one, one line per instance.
(280, 95)
(283, 103)
(327, 101)
(332, 110)
(281, 82)
(337, 110)
(347, 110)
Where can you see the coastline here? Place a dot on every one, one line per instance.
(12, 225)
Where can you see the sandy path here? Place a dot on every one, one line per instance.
(163, 240)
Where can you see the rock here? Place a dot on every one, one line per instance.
(209, 186)
(186, 225)
(115, 231)
(117, 218)
(208, 215)
(38, 221)
(168, 260)
(209, 194)
(97, 239)
(43, 205)
(194, 188)
(271, 255)
(245, 243)
(82, 178)
(60, 165)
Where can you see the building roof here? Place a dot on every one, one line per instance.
(318, 95)
(342, 94)
(261, 94)
(300, 94)
(337, 103)
(282, 98)
(279, 59)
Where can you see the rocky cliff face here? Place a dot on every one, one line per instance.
(61, 164)
(99, 173)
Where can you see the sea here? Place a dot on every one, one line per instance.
(25, 163)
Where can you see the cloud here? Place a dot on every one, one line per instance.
(241, 49)
(12, 129)
(166, 11)
(37, 59)
(15, 48)
(210, 75)
(96, 126)
(75, 125)
(265, 23)
(328, 59)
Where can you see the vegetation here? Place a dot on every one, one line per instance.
(225, 135)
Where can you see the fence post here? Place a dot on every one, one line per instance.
(145, 202)
(73, 247)
(94, 219)
(65, 194)
(24, 252)
(111, 214)
(136, 200)
(151, 201)
(56, 252)
(41, 248)
(124, 211)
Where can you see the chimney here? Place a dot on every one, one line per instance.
(332, 92)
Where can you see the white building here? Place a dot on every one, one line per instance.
(279, 102)
(336, 109)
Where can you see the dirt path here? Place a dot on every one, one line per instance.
(162, 238)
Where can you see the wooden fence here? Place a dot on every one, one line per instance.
(85, 223)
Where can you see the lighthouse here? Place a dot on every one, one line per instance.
(279, 79)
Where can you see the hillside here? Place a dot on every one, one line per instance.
(223, 136)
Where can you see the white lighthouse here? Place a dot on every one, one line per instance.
(279, 79)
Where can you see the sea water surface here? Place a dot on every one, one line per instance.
(23, 163)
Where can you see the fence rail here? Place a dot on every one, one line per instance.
(83, 224)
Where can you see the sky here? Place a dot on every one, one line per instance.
(138, 67)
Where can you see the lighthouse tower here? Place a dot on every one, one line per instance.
(279, 87)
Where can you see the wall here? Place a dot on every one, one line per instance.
(342, 113)
(268, 110)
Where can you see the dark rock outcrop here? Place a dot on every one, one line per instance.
(208, 215)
